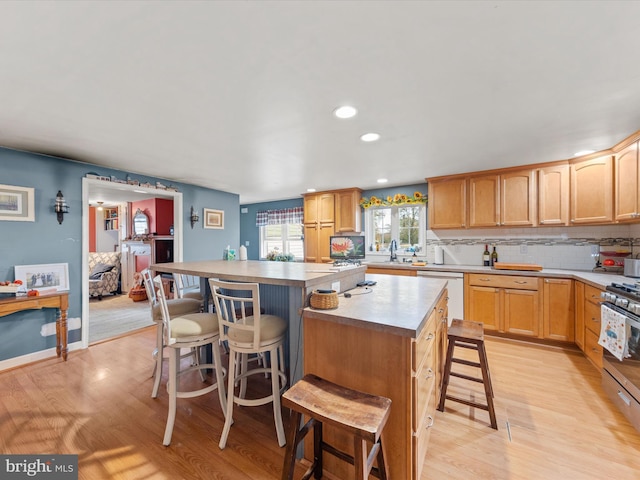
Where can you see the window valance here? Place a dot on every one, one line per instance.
(278, 217)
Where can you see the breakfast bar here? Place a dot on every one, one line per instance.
(285, 287)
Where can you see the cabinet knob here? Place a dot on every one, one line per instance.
(430, 424)
(429, 374)
(521, 282)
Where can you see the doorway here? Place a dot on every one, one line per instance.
(118, 307)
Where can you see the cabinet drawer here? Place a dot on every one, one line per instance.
(421, 436)
(592, 350)
(592, 317)
(422, 387)
(424, 342)
(503, 281)
(592, 294)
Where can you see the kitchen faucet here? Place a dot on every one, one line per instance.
(393, 247)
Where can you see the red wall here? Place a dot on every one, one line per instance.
(159, 211)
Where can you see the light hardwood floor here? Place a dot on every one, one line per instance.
(98, 405)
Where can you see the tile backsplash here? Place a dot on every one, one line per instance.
(575, 248)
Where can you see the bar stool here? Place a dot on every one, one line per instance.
(470, 335)
(360, 414)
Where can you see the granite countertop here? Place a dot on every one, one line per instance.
(596, 279)
(396, 305)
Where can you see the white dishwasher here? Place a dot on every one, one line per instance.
(455, 288)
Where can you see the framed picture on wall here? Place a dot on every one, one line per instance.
(48, 276)
(16, 204)
(213, 218)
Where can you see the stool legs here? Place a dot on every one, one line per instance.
(488, 389)
(478, 345)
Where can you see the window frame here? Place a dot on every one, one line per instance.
(395, 226)
(284, 240)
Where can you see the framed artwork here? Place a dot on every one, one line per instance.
(44, 277)
(16, 203)
(213, 218)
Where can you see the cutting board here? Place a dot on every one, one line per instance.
(531, 267)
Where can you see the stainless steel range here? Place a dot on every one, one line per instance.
(621, 378)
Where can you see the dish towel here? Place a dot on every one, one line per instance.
(614, 332)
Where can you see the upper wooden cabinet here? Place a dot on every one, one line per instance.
(505, 200)
(592, 190)
(447, 203)
(627, 183)
(484, 201)
(347, 210)
(553, 195)
(319, 208)
(326, 213)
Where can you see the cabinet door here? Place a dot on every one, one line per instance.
(522, 312)
(326, 208)
(592, 191)
(482, 304)
(627, 184)
(310, 208)
(558, 300)
(484, 205)
(518, 198)
(348, 210)
(579, 305)
(311, 253)
(553, 195)
(447, 204)
(324, 237)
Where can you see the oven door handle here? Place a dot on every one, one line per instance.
(624, 398)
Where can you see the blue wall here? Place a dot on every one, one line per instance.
(249, 231)
(45, 241)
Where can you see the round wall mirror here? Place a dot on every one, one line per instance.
(140, 223)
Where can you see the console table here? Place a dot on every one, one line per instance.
(58, 300)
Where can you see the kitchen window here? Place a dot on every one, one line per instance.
(406, 224)
(283, 238)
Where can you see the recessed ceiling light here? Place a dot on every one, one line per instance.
(382, 180)
(311, 190)
(346, 111)
(583, 152)
(370, 137)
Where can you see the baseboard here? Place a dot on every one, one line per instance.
(35, 357)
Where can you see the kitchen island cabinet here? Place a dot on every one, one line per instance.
(383, 340)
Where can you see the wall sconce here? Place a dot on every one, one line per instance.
(195, 218)
(61, 207)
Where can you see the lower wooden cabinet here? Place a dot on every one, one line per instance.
(392, 271)
(558, 312)
(519, 305)
(591, 321)
(504, 303)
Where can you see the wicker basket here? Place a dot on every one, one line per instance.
(138, 294)
(324, 301)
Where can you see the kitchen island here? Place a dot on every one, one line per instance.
(386, 340)
(284, 288)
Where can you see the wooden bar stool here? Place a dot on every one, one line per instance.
(360, 414)
(468, 334)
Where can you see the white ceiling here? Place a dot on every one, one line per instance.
(238, 96)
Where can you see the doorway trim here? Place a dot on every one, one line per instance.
(128, 191)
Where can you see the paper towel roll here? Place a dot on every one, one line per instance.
(439, 255)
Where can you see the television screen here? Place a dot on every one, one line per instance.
(346, 247)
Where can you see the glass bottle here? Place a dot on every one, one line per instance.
(486, 256)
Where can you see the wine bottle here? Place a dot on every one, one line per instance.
(486, 256)
(494, 256)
